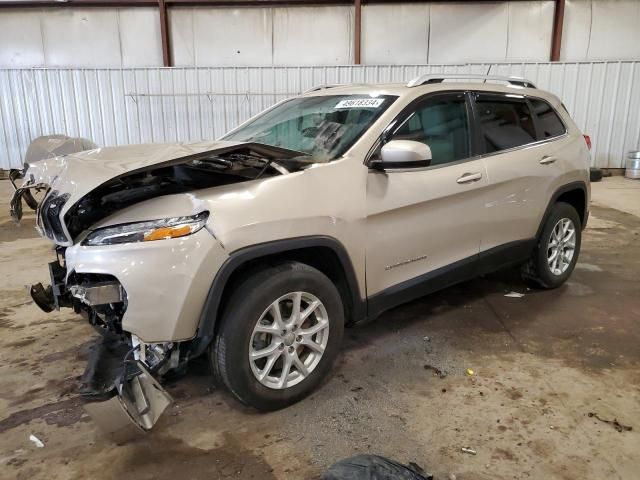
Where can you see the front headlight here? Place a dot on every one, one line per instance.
(147, 231)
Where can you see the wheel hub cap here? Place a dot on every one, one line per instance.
(289, 340)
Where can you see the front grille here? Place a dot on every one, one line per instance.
(49, 216)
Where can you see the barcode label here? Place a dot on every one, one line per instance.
(360, 103)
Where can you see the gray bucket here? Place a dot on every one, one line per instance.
(633, 165)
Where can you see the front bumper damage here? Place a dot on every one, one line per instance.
(119, 384)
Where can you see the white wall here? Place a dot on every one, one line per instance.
(80, 37)
(601, 30)
(205, 36)
(392, 33)
(457, 32)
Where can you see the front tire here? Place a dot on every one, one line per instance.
(280, 333)
(556, 252)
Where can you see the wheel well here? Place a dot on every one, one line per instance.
(575, 198)
(321, 258)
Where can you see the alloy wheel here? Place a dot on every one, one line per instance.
(561, 246)
(289, 340)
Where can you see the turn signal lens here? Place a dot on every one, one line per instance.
(147, 231)
(167, 232)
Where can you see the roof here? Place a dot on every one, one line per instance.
(402, 90)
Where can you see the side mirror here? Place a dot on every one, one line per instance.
(402, 154)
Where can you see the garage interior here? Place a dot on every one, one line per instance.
(532, 384)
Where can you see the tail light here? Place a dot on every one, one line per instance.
(587, 139)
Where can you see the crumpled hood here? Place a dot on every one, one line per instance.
(72, 177)
(79, 173)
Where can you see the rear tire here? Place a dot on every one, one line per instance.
(556, 253)
(266, 353)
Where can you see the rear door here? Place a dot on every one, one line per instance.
(522, 165)
(423, 220)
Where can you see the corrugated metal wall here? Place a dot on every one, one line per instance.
(122, 106)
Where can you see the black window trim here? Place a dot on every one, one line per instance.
(410, 108)
(537, 119)
(478, 126)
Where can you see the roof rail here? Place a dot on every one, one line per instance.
(441, 77)
(323, 87)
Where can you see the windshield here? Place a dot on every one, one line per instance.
(323, 127)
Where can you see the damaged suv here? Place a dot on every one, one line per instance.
(323, 210)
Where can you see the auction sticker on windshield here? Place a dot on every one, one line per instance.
(360, 103)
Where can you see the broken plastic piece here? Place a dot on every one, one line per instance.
(468, 450)
(36, 441)
(514, 295)
(469, 371)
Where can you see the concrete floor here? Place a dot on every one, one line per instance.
(541, 364)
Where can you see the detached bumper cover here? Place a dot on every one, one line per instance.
(123, 395)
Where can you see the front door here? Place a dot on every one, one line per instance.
(423, 222)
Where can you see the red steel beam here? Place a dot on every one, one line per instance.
(213, 3)
(558, 22)
(164, 33)
(357, 37)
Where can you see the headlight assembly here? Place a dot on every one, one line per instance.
(147, 231)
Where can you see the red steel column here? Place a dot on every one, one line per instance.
(558, 21)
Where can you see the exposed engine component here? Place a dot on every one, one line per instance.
(205, 171)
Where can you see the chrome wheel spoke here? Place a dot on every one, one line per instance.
(569, 236)
(295, 308)
(274, 309)
(271, 329)
(265, 352)
(307, 342)
(309, 310)
(311, 331)
(299, 364)
(269, 365)
(286, 369)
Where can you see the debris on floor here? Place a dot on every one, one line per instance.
(468, 450)
(514, 295)
(437, 372)
(614, 423)
(36, 441)
(374, 467)
(469, 372)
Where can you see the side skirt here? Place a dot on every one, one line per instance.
(496, 258)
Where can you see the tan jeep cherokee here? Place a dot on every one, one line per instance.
(323, 210)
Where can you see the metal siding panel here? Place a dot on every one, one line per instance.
(312, 35)
(484, 37)
(82, 37)
(140, 37)
(530, 30)
(233, 36)
(21, 39)
(410, 40)
(141, 105)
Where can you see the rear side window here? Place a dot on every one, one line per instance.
(505, 123)
(549, 122)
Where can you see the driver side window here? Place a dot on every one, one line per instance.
(441, 123)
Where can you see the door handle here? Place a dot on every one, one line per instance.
(547, 160)
(469, 177)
